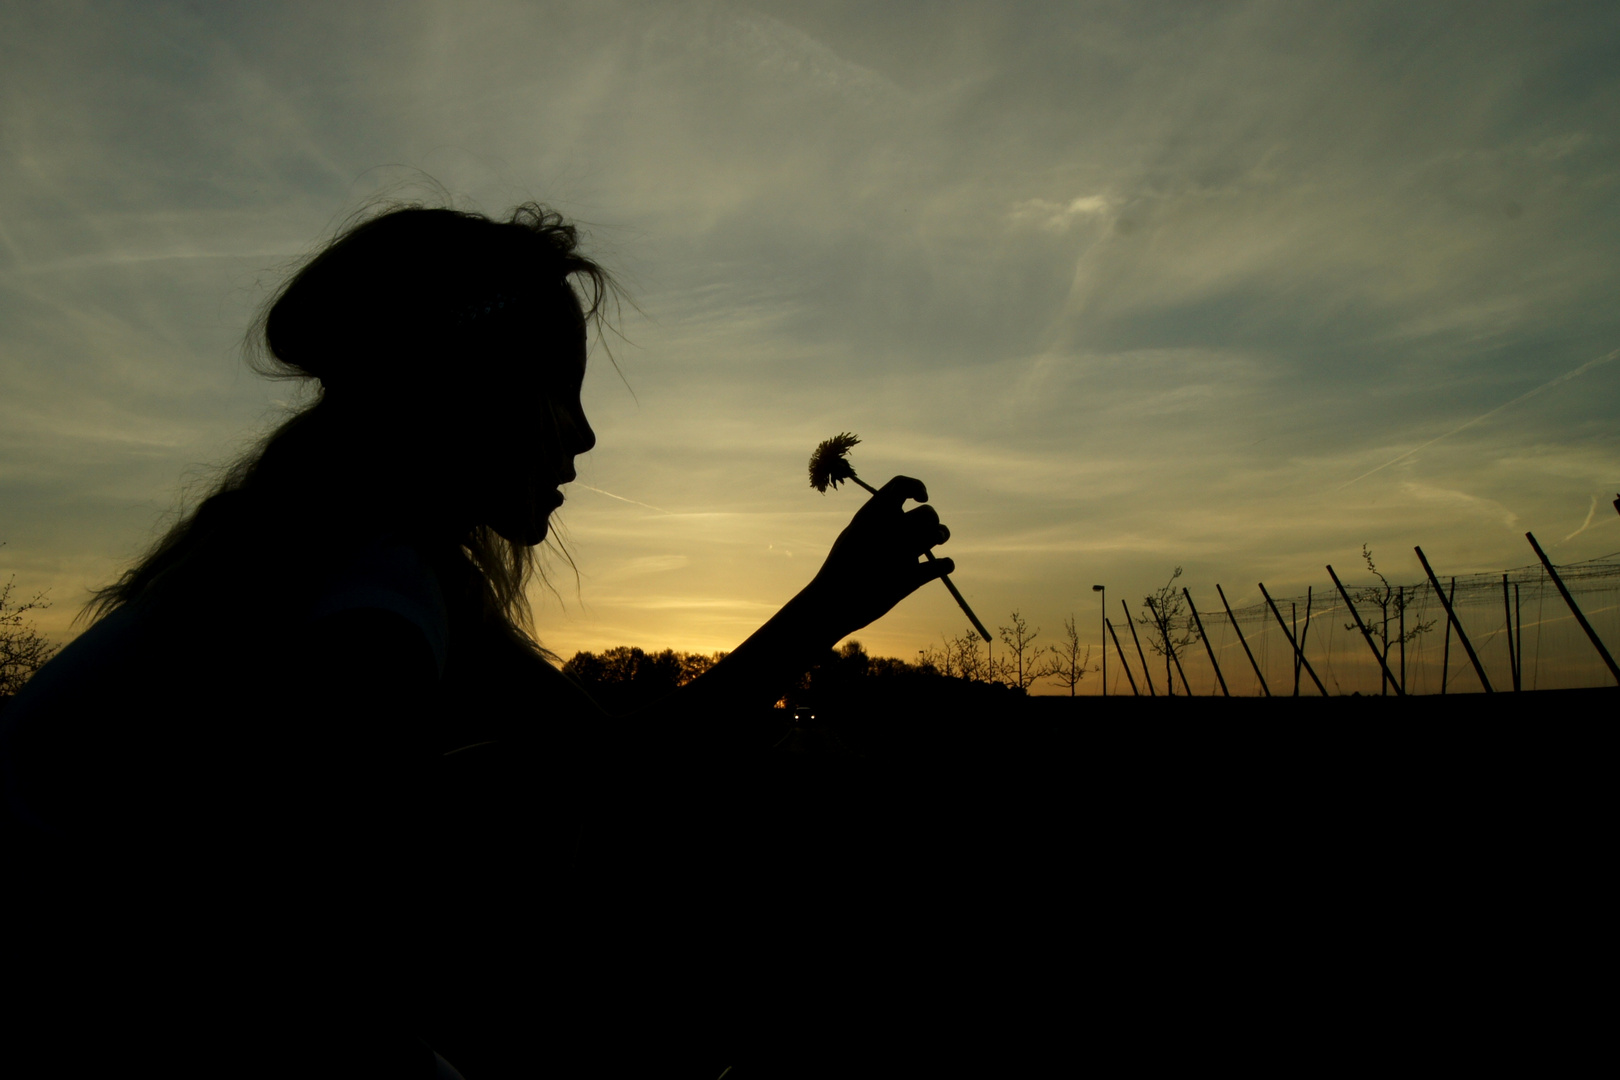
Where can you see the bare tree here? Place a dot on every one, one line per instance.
(1391, 602)
(23, 649)
(1022, 668)
(969, 662)
(1170, 628)
(1067, 662)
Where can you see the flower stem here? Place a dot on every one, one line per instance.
(946, 578)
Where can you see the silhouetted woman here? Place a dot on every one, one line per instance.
(307, 797)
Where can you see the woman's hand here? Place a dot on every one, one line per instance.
(874, 564)
(872, 567)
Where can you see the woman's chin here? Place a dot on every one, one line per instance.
(528, 526)
(527, 536)
(522, 533)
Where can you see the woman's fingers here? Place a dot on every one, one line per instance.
(898, 490)
(923, 526)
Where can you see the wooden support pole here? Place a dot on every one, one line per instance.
(1597, 643)
(1164, 628)
(1445, 657)
(1303, 634)
(1298, 655)
(1104, 590)
(1400, 611)
(1207, 646)
(1293, 620)
(1244, 642)
(1518, 636)
(1146, 674)
(1122, 661)
(1451, 613)
(1356, 615)
(1507, 610)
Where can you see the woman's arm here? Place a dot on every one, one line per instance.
(873, 565)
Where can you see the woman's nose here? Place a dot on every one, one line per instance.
(585, 438)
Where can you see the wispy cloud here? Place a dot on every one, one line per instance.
(621, 498)
(1055, 217)
(1564, 378)
(1591, 514)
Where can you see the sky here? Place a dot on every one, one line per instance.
(1235, 287)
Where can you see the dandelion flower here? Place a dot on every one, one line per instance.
(827, 464)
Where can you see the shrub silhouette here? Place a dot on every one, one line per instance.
(23, 649)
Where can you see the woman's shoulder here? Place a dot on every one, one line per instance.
(389, 574)
(69, 697)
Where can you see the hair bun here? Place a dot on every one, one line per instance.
(387, 298)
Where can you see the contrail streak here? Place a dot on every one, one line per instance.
(1587, 524)
(621, 498)
(1564, 378)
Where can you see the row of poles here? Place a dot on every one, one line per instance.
(1297, 641)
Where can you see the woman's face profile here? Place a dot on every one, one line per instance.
(536, 446)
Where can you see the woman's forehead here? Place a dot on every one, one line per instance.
(553, 315)
(557, 342)
(567, 311)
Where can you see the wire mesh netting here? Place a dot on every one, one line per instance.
(1518, 625)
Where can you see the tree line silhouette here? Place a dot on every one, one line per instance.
(625, 678)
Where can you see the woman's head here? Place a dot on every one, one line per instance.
(449, 349)
(463, 335)
(420, 295)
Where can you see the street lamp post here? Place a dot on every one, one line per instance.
(1099, 588)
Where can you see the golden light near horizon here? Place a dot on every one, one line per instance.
(1128, 289)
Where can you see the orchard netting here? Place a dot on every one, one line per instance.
(1513, 620)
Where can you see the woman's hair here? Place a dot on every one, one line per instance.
(408, 307)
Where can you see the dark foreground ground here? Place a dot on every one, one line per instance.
(974, 804)
(1183, 798)
(1168, 756)
(1081, 868)
(921, 873)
